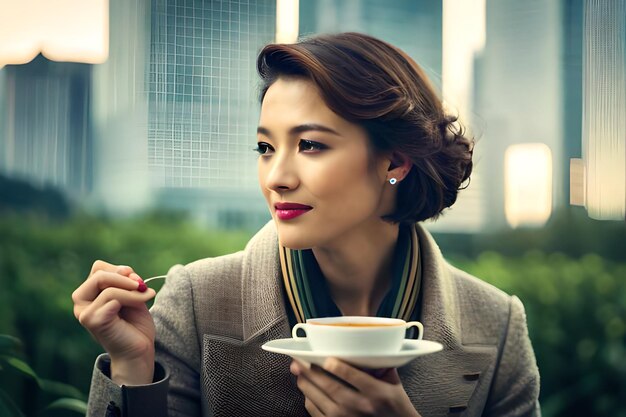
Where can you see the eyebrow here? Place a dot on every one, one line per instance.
(307, 127)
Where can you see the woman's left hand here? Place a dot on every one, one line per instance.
(365, 395)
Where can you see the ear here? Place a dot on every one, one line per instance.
(399, 166)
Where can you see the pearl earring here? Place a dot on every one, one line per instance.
(393, 181)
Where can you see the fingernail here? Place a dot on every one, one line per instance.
(142, 286)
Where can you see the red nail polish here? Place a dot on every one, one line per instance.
(142, 286)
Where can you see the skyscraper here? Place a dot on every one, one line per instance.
(203, 106)
(45, 136)
(412, 25)
(519, 92)
(181, 82)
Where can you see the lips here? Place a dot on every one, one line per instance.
(288, 211)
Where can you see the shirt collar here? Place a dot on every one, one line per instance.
(307, 289)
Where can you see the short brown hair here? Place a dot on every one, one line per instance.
(379, 87)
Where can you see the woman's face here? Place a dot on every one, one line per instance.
(316, 169)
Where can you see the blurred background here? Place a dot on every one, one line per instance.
(136, 147)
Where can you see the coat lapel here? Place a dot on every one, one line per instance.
(445, 383)
(243, 379)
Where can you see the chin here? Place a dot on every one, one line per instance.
(294, 243)
(293, 239)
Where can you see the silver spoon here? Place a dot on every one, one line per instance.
(145, 281)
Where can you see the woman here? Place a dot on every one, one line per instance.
(355, 150)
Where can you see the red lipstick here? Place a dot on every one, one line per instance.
(288, 211)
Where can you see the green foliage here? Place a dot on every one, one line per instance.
(43, 262)
(576, 312)
(12, 365)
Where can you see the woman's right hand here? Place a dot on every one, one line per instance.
(111, 305)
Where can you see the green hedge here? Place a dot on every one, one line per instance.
(576, 312)
(576, 305)
(42, 262)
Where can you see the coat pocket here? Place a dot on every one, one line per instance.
(241, 379)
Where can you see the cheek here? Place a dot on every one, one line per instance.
(261, 174)
(348, 178)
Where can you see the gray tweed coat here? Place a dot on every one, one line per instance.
(213, 315)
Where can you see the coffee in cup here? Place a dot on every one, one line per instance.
(356, 335)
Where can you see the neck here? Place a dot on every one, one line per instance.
(358, 267)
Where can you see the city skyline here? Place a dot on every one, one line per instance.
(168, 120)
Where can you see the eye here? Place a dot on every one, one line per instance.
(311, 146)
(263, 148)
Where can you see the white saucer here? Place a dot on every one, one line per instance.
(300, 349)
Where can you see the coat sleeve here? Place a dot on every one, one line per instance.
(515, 389)
(175, 391)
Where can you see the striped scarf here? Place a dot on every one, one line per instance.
(309, 296)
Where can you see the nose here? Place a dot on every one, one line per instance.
(280, 173)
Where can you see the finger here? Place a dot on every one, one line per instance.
(124, 297)
(334, 388)
(318, 398)
(297, 365)
(125, 270)
(101, 265)
(360, 380)
(89, 315)
(390, 375)
(108, 312)
(141, 287)
(110, 321)
(100, 281)
(312, 409)
(105, 312)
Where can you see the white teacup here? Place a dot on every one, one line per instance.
(356, 335)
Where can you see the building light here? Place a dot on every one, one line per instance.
(287, 21)
(528, 184)
(61, 30)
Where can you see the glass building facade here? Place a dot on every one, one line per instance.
(202, 108)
